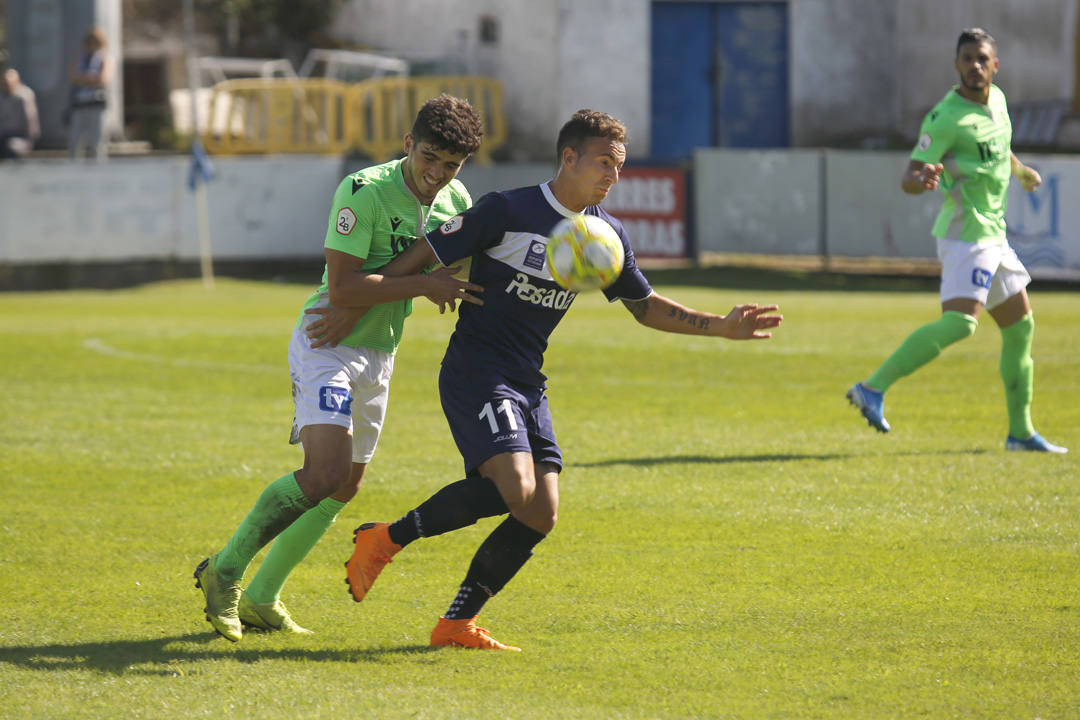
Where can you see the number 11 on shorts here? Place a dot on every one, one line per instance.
(488, 413)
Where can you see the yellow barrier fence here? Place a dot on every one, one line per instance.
(315, 115)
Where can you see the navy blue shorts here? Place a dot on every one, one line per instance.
(490, 415)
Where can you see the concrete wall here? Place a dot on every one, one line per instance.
(260, 208)
(751, 201)
(868, 215)
(862, 73)
(552, 57)
(849, 204)
(844, 71)
(1036, 46)
(800, 202)
(482, 179)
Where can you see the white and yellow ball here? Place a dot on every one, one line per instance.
(584, 253)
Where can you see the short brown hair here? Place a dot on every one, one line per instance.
(449, 123)
(586, 124)
(96, 36)
(975, 35)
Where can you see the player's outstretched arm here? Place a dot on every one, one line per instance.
(1028, 176)
(744, 322)
(920, 177)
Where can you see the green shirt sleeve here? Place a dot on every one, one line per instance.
(353, 217)
(936, 137)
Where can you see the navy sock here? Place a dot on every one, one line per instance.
(500, 556)
(457, 505)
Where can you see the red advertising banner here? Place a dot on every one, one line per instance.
(651, 203)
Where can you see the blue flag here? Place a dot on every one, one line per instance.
(201, 167)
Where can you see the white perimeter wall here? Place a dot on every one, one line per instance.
(800, 202)
(142, 208)
(849, 204)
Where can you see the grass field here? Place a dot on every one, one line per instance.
(733, 542)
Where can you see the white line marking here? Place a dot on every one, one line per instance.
(103, 348)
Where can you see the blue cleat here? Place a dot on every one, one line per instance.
(871, 404)
(1036, 443)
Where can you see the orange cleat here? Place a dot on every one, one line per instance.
(465, 633)
(373, 550)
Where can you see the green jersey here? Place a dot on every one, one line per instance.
(375, 217)
(973, 142)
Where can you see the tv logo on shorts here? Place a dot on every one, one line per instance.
(335, 400)
(981, 278)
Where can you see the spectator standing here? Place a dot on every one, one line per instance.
(90, 76)
(19, 124)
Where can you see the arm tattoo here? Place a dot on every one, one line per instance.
(637, 308)
(692, 319)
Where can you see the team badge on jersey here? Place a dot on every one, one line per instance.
(452, 225)
(924, 142)
(535, 255)
(346, 221)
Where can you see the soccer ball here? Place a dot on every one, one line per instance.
(584, 253)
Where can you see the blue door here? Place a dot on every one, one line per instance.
(719, 76)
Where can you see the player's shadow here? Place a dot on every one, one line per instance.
(711, 459)
(764, 457)
(169, 655)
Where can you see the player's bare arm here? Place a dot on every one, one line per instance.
(418, 256)
(920, 177)
(1028, 176)
(400, 279)
(353, 291)
(744, 322)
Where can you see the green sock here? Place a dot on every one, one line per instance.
(279, 505)
(1018, 373)
(290, 548)
(922, 346)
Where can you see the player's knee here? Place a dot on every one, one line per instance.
(541, 515)
(319, 480)
(960, 325)
(539, 520)
(348, 489)
(549, 515)
(546, 522)
(519, 494)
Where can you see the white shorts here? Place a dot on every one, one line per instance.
(989, 273)
(342, 386)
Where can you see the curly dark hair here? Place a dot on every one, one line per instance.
(586, 124)
(449, 123)
(975, 35)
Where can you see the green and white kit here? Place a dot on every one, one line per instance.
(376, 217)
(973, 143)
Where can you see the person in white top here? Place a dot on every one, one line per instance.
(19, 125)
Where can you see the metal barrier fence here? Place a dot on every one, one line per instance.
(316, 115)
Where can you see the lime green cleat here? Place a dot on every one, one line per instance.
(222, 597)
(268, 616)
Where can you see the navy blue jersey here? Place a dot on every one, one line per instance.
(505, 234)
